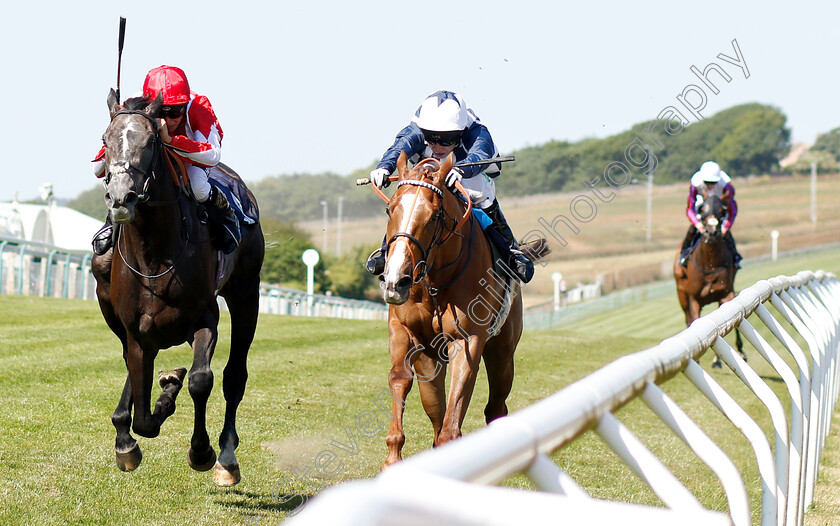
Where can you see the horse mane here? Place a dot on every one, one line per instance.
(424, 169)
(136, 103)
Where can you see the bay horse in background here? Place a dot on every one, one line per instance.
(157, 288)
(709, 274)
(448, 306)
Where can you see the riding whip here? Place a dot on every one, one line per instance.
(119, 54)
(492, 160)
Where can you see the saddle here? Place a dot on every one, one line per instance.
(225, 180)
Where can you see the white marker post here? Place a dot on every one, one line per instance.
(774, 244)
(557, 277)
(310, 258)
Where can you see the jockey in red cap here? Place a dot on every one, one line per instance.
(189, 126)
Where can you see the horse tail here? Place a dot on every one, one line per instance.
(535, 249)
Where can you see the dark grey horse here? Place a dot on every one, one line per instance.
(157, 288)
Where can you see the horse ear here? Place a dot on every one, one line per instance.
(153, 109)
(402, 164)
(113, 105)
(447, 165)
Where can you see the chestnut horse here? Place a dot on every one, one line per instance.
(157, 288)
(447, 305)
(709, 275)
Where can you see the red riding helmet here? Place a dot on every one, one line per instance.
(171, 81)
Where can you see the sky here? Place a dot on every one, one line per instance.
(324, 86)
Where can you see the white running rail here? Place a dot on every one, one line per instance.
(453, 484)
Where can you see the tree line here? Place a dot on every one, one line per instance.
(745, 139)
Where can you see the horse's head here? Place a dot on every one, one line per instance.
(713, 211)
(415, 226)
(132, 144)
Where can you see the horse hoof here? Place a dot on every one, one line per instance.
(175, 376)
(198, 465)
(129, 460)
(225, 477)
(717, 365)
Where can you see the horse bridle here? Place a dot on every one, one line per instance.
(423, 266)
(157, 144)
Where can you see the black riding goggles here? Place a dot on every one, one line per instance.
(173, 112)
(447, 138)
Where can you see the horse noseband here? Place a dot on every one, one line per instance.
(156, 145)
(423, 253)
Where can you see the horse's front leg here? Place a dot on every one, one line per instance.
(739, 344)
(465, 358)
(693, 311)
(201, 455)
(128, 451)
(431, 381)
(399, 381)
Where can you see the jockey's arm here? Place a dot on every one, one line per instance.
(205, 148)
(690, 211)
(99, 163)
(479, 146)
(409, 140)
(732, 211)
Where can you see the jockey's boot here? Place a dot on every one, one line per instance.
(521, 265)
(228, 223)
(103, 239)
(685, 251)
(376, 261)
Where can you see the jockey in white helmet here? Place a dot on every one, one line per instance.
(444, 124)
(710, 179)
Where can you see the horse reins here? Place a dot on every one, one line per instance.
(176, 166)
(701, 239)
(421, 268)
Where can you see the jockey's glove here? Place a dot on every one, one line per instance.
(379, 177)
(455, 175)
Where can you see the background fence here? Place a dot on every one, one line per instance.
(31, 268)
(448, 485)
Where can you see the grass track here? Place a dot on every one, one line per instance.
(61, 374)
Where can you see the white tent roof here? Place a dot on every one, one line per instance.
(55, 225)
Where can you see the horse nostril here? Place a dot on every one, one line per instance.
(404, 283)
(130, 198)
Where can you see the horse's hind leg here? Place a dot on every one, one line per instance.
(740, 345)
(128, 451)
(243, 313)
(499, 365)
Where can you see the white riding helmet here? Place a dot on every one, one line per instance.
(442, 111)
(710, 172)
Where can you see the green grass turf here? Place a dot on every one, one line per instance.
(61, 374)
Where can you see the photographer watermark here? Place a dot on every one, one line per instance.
(639, 153)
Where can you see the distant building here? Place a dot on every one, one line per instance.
(51, 224)
(797, 150)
